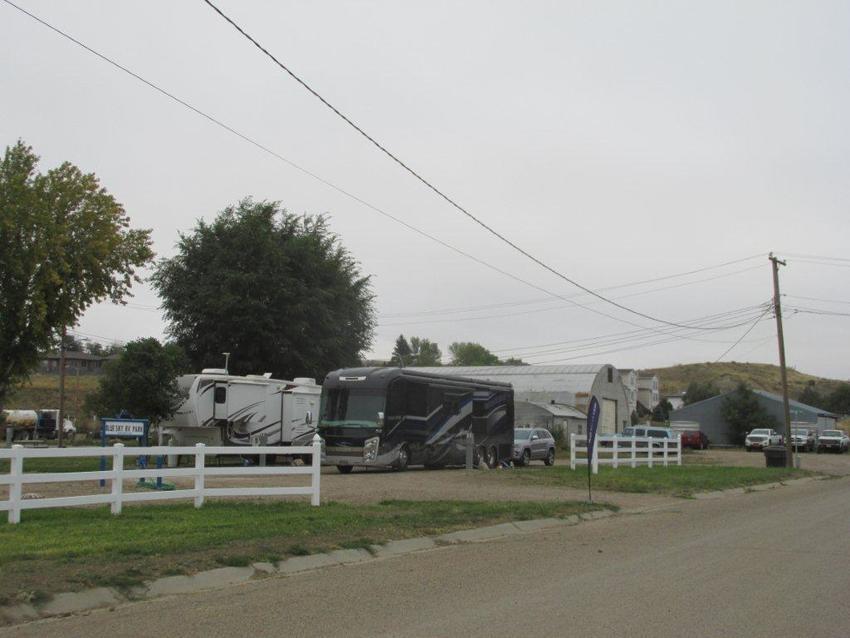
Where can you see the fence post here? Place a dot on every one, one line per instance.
(572, 450)
(615, 463)
(117, 477)
(634, 451)
(650, 450)
(199, 473)
(666, 441)
(317, 470)
(679, 449)
(16, 470)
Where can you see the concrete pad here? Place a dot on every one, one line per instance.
(348, 556)
(406, 546)
(764, 487)
(304, 563)
(264, 568)
(597, 514)
(539, 523)
(211, 579)
(480, 533)
(80, 601)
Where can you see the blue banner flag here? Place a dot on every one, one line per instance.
(592, 424)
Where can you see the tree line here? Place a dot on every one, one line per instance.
(423, 352)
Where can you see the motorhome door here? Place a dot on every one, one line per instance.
(220, 400)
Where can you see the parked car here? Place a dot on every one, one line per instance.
(833, 440)
(803, 439)
(647, 431)
(760, 438)
(695, 439)
(533, 444)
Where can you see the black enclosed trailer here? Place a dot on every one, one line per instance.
(395, 417)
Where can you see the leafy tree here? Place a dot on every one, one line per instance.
(838, 400)
(697, 391)
(810, 396)
(472, 354)
(634, 420)
(513, 361)
(143, 381)
(661, 412)
(65, 243)
(425, 352)
(276, 290)
(743, 412)
(72, 344)
(402, 352)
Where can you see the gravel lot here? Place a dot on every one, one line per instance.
(835, 464)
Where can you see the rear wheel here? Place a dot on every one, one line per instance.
(344, 469)
(526, 457)
(550, 457)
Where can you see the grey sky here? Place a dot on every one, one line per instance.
(617, 141)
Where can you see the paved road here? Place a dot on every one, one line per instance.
(772, 564)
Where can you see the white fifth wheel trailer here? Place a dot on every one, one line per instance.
(223, 409)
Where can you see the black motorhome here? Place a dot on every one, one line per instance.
(393, 417)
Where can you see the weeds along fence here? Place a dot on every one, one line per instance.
(629, 451)
(116, 496)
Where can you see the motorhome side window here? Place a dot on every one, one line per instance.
(407, 398)
(220, 394)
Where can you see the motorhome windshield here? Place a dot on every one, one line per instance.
(351, 407)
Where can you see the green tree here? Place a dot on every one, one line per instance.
(472, 354)
(513, 361)
(425, 352)
(402, 352)
(838, 400)
(661, 412)
(65, 243)
(143, 381)
(743, 412)
(697, 391)
(276, 290)
(810, 396)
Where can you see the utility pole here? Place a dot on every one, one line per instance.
(61, 420)
(777, 308)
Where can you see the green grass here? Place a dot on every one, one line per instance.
(676, 480)
(66, 549)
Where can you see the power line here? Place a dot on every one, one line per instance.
(315, 176)
(823, 257)
(836, 301)
(432, 187)
(741, 338)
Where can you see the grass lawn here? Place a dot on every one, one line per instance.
(676, 480)
(66, 549)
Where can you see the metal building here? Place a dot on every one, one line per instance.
(570, 386)
(708, 414)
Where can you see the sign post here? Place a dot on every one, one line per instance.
(125, 429)
(592, 424)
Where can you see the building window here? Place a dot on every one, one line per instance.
(610, 375)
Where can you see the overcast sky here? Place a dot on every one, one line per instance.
(617, 141)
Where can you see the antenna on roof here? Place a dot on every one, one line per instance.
(226, 361)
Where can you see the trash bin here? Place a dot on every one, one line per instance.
(775, 456)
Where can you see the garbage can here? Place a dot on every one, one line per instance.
(775, 456)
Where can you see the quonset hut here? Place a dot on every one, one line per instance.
(556, 397)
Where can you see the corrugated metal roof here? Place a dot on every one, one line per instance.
(574, 378)
(558, 409)
(795, 404)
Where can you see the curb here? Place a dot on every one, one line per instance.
(104, 597)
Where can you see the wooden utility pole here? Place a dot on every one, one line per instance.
(777, 308)
(61, 419)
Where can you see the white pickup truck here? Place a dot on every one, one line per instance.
(760, 438)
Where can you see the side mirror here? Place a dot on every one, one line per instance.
(380, 419)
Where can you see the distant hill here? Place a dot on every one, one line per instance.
(726, 376)
(42, 391)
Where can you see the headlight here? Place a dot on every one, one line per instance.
(370, 448)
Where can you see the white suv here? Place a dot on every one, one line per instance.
(762, 437)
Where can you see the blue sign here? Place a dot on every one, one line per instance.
(592, 424)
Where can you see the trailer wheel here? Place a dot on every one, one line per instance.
(344, 469)
(492, 457)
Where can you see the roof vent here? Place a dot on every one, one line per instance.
(304, 381)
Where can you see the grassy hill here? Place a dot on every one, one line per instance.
(42, 391)
(726, 376)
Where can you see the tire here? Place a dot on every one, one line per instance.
(550, 457)
(344, 469)
(492, 457)
(526, 458)
(479, 456)
(403, 459)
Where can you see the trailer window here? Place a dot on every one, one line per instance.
(220, 394)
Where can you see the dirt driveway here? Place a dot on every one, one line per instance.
(835, 464)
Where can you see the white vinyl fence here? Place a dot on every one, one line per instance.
(116, 497)
(630, 451)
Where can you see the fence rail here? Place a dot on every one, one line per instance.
(631, 451)
(116, 497)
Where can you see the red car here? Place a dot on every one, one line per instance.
(695, 439)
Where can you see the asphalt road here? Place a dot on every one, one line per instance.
(773, 563)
